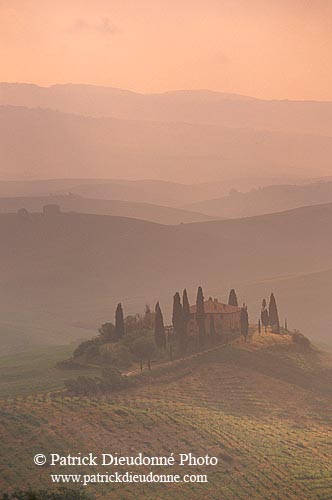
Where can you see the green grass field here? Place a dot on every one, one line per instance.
(263, 408)
(34, 371)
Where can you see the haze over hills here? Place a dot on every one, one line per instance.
(144, 191)
(192, 106)
(38, 143)
(266, 199)
(75, 203)
(74, 268)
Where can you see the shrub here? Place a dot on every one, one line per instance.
(107, 332)
(117, 355)
(143, 349)
(112, 379)
(88, 350)
(70, 364)
(83, 385)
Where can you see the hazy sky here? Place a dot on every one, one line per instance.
(271, 48)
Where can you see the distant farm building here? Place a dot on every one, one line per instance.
(226, 318)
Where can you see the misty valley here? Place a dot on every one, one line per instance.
(165, 295)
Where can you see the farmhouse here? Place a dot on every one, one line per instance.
(226, 317)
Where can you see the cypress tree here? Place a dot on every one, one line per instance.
(244, 322)
(177, 318)
(273, 315)
(159, 328)
(186, 309)
(259, 326)
(147, 318)
(119, 322)
(264, 315)
(232, 300)
(185, 321)
(200, 316)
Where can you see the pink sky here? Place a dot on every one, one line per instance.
(269, 49)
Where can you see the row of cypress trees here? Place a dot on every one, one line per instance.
(159, 327)
(270, 315)
(181, 318)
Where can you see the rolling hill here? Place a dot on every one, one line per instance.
(153, 191)
(40, 143)
(73, 268)
(267, 199)
(263, 408)
(75, 203)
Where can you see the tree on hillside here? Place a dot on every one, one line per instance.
(119, 322)
(244, 322)
(186, 318)
(264, 315)
(177, 317)
(200, 317)
(232, 300)
(107, 332)
(147, 318)
(185, 308)
(273, 315)
(259, 326)
(178, 322)
(143, 349)
(159, 328)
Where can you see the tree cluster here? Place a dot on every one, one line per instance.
(270, 316)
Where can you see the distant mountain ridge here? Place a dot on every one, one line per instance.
(202, 106)
(42, 143)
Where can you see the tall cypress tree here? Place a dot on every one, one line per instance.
(232, 300)
(119, 322)
(264, 315)
(177, 318)
(159, 328)
(200, 317)
(273, 315)
(244, 322)
(186, 309)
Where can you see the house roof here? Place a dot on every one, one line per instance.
(212, 306)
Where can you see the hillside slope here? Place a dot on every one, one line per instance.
(157, 192)
(265, 200)
(47, 143)
(262, 408)
(72, 203)
(75, 267)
